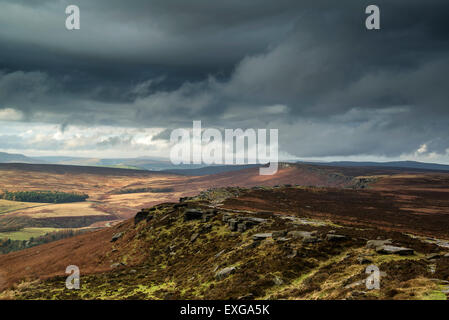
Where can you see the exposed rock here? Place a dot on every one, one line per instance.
(388, 249)
(335, 237)
(225, 272)
(220, 253)
(433, 256)
(241, 227)
(241, 224)
(117, 265)
(278, 281)
(254, 220)
(193, 214)
(442, 243)
(282, 239)
(262, 236)
(248, 296)
(373, 244)
(116, 236)
(299, 234)
(194, 236)
(354, 284)
(305, 236)
(446, 255)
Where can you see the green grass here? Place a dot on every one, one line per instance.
(27, 233)
(435, 295)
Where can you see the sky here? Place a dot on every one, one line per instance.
(138, 69)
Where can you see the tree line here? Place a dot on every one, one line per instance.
(43, 196)
(8, 245)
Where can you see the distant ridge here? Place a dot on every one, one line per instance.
(164, 165)
(17, 158)
(390, 164)
(62, 169)
(211, 170)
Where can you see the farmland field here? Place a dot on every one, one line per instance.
(27, 233)
(11, 206)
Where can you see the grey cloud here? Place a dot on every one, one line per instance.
(163, 135)
(310, 69)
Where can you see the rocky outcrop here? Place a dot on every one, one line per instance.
(373, 244)
(118, 265)
(262, 236)
(335, 237)
(241, 224)
(305, 236)
(388, 249)
(224, 273)
(116, 236)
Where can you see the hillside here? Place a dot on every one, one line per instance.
(281, 242)
(17, 158)
(108, 204)
(389, 164)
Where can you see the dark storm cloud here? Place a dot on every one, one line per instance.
(309, 68)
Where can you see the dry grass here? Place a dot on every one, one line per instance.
(59, 210)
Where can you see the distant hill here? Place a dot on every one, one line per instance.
(211, 170)
(70, 169)
(161, 164)
(391, 164)
(17, 158)
(141, 163)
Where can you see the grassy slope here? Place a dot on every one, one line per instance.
(162, 262)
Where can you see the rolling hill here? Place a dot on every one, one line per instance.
(390, 164)
(17, 158)
(281, 242)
